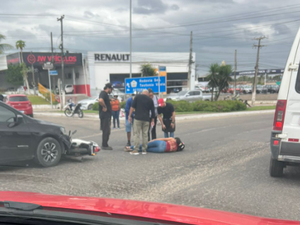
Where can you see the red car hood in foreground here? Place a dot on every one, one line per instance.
(158, 211)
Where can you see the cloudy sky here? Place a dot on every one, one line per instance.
(219, 27)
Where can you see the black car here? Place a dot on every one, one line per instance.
(25, 138)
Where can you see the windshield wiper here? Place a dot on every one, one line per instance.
(21, 206)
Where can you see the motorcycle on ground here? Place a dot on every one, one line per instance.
(78, 148)
(70, 109)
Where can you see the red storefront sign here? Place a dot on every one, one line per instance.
(41, 58)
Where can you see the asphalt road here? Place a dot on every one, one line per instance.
(224, 167)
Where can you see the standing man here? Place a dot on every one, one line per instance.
(168, 121)
(142, 104)
(105, 113)
(152, 130)
(127, 123)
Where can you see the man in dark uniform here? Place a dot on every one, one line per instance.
(105, 113)
(168, 120)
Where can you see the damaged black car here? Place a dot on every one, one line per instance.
(25, 138)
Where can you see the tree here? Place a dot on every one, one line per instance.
(21, 45)
(4, 46)
(147, 70)
(14, 74)
(219, 77)
(213, 72)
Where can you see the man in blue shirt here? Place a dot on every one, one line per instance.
(128, 124)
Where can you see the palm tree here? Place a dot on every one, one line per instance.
(21, 45)
(4, 46)
(223, 78)
(212, 77)
(218, 78)
(147, 70)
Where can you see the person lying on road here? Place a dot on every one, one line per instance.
(162, 145)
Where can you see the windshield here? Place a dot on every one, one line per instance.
(173, 102)
(18, 99)
(181, 93)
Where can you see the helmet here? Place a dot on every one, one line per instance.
(180, 144)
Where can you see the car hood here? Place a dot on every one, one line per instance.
(43, 122)
(140, 209)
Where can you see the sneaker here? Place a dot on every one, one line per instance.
(107, 148)
(127, 149)
(144, 153)
(134, 153)
(119, 128)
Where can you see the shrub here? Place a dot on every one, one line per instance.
(122, 104)
(96, 106)
(181, 106)
(218, 106)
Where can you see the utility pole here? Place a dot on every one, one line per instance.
(33, 79)
(53, 82)
(190, 60)
(130, 39)
(256, 67)
(235, 66)
(62, 49)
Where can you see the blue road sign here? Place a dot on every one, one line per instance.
(141, 83)
(162, 68)
(53, 72)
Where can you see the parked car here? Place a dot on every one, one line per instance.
(69, 89)
(231, 89)
(202, 88)
(21, 103)
(118, 84)
(190, 96)
(120, 94)
(87, 104)
(25, 138)
(285, 135)
(247, 89)
(259, 89)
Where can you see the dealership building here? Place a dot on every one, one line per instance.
(74, 69)
(89, 74)
(114, 67)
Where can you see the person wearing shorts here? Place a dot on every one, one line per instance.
(128, 125)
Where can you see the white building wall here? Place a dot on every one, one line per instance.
(3, 63)
(99, 71)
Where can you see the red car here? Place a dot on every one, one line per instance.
(33, 208)
(21, 103)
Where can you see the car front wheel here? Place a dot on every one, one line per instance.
(90, 107)
(48, 152)
(276, 168)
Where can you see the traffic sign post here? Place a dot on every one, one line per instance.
(143, 83)
(53, 73)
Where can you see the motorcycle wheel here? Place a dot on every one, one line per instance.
(68, 112)
(80, 113)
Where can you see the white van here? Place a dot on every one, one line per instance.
(285, 136)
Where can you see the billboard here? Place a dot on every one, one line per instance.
(252, 72)
(13, 58)
(39, 58)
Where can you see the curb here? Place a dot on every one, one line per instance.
(179, 117)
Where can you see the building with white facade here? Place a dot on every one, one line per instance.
(114, 67)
